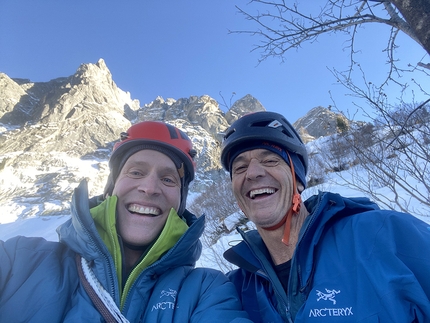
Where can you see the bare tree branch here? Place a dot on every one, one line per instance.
(405, 122)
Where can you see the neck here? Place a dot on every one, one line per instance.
(131, 257)
(279, 251)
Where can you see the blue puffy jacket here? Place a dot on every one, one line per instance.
(39, 280)
(353, 263)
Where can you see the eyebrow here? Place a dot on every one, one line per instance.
(137, 163)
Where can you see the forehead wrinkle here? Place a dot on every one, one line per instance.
(261, 154)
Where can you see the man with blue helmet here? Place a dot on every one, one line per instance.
(327, 259)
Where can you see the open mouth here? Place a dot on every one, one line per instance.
(138, 209)
(261, 192)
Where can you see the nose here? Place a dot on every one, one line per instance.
(254, 170)
(149, 184)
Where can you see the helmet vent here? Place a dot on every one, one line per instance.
(263, 124)
(124, 135)
(287, 133)
(229, 133)
(192, 153)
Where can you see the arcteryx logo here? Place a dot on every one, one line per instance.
(329, 296)
(172, 293)
(169, 299)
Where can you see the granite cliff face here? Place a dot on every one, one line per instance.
(321, 122)
(77, 115)
(54, 134)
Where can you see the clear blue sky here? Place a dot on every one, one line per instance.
(175, 49)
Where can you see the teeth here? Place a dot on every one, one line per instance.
(143, 210)
(253, 193)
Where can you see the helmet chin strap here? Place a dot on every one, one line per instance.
(294, 209)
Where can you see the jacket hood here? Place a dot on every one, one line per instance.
(80, 232)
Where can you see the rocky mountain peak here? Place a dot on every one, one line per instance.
(77, 114)
(320, 122)
(200, 111)
(247, 104)
(15, 103)
(92, 74)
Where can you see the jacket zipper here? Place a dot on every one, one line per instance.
(300, 283)
(99, 251)
(264, 274)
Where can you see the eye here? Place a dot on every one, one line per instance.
(135, 173)
(170, 181)
(270, 162)
(239, 168)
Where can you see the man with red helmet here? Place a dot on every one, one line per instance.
(127, 255)
(328, 259)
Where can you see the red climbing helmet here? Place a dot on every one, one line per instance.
(159, 134)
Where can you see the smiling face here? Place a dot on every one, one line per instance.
(263, 187)
(147, 187)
